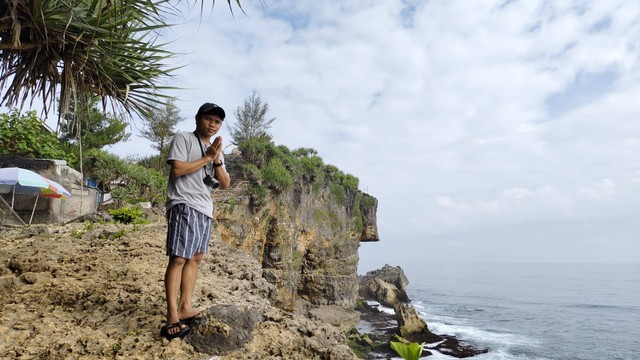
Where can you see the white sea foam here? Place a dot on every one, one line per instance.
(533, 311)
(480, 336)
(384, 309)
(505, 355)
(457, 326)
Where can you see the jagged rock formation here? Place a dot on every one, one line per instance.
(68, 292)
(280, 281)
(412, 327)
(459, 349)
(222, 329)
(386, 286)
(306, 237)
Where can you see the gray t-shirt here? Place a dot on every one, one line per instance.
(189, 189)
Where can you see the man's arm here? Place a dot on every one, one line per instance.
(213, 153)
(223, 176)
(181, 168)
(220, 172)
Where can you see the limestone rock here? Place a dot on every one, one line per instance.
(385, 286)
(342, 318)
(412, 327)
(391, 274)
(368, 208)
(305, 236)
(222, 329)
(459, 349)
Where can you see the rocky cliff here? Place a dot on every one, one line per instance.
(305, 236)
(94, 290)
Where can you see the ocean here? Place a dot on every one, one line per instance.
(532, 311)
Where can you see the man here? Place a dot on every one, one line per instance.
(197, 168)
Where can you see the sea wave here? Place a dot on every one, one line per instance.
(603, 307)
(382, 308)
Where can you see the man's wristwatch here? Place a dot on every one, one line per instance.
(217, 164)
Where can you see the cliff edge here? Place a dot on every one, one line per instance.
(279, 282)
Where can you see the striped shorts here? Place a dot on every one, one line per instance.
(189, 231)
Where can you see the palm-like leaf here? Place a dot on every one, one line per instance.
(62, 48)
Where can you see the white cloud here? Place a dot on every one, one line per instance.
(459, 116)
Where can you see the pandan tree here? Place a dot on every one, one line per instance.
(55, 50)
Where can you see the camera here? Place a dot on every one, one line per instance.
(211, 182)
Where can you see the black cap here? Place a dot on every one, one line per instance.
(210, 109)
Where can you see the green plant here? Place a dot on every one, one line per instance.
(357, 215)
(311, 167)
(128, 215)
(89, 123)
(26, 135)
(257, 151)
(357, 349)
(252, 173)
(327, 216)
(338, 192)
(368, 201)
(120, 233)
(257, 196)
(276, 176)
(78, 233)
(273, 168)
(129, 183)
(233, 202)
(159, 129)
(251, 120)
(407, 351)
(61, 49)
(89, 226)
(117, 347)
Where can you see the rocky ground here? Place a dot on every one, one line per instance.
(96, 291)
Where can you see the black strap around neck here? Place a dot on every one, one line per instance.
(204, 168)
(199, 143)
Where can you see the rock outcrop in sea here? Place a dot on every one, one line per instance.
(386, 286)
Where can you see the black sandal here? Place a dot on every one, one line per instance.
(184, 329)
(189, 321)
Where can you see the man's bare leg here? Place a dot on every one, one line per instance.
(172, 285)
(187, 286)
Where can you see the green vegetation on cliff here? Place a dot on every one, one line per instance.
(128, 183)
(271, 168)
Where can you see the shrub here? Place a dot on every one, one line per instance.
(252, 173)
(257, 195)
(128, 183)
(338, 192)
(277, 167)
(25, 135)
(128, 215)
(257, 151)
(368, 200)
(276, 176)
(311, 167)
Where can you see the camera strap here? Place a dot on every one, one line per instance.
(202, 150)
(199, 143)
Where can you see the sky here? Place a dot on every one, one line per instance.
(489, 131)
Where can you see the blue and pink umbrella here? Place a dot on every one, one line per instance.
(26, 181)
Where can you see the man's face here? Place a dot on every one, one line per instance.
(208, 125)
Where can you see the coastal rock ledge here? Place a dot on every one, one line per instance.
(387, 287)
(67, 292)
(279, 282)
